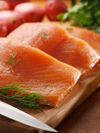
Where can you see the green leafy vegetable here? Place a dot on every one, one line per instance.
(86, 13)
(73, 2)
(12, 61)
(17, 95)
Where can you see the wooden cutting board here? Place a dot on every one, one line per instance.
(84, 88)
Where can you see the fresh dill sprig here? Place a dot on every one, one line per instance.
(12, 61)
(44, 35)
(17, 95)
(69, 28)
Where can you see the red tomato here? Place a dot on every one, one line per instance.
(13, 3)
(53, 8)
(3, 30)
(30, 12)
(10, 19)
(4, 5)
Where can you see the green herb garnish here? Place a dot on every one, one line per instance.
(73, 2)
(44, 35)
(69, 28)
(12, 61)
(17, 95)
(85, 13)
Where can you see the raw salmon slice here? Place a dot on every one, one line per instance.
(37, 70)
(38, 34)
(92, 38)
(53, 40)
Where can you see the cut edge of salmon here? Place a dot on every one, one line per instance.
(57, 97)
(46, 47)
(96, 58)
(92, 38)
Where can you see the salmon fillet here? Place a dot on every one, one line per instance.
(37, 70)
(53, 40)
(89, 36)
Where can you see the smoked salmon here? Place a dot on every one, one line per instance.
(20, 63)
(54, 40)
(92, 38)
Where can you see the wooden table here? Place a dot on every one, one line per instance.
(85, 119)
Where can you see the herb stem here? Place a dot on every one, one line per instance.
(12, 61)
(19, 96)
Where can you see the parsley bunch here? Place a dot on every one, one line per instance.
(85, 13)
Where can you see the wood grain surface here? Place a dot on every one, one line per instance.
(85, 119)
